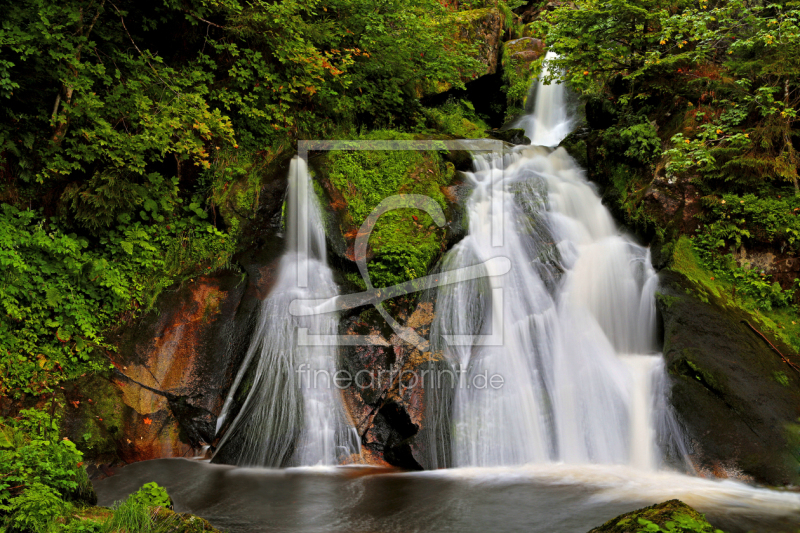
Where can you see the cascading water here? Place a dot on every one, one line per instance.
(550, 121)
(576, 311)
(292, 415)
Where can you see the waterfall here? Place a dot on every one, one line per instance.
(576, 313)
(550, 122)
(291, 413)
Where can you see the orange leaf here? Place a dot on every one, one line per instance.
(147, 421)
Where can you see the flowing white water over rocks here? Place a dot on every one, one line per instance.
(550, 122)
(582, 379)
(289, 417)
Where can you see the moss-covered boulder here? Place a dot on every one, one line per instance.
(182, 522)
(672, 516)
(735, 394)
(404, 243)
(483, 27)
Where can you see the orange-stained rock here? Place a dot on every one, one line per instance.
(173, 368)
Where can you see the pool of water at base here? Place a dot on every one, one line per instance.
(533, 498)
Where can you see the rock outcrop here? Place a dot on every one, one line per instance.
(675, 511)
(735, 395)
(482, 26)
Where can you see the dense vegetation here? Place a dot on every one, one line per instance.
(134, 139)
(133, 136)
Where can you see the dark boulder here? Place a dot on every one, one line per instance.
(738, 401)
(511, 136)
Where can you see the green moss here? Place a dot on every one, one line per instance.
(518, 75)
(93, 417)
(235, 182)
(781, 378)
(457, 118)
(702, 375)
(404, 242)
(783, 324)
(671, 516)
(666, 299)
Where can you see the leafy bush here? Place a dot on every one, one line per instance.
(638, 143)
(152, 495)
(458, 118)
(41, 474)
(35, 509)
(59, 293)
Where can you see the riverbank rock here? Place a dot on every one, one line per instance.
(737, 399)
(679, 516)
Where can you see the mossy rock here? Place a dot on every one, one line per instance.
(483, 26)
(520, 65)
(404, 243)
(93, 417)
(511, 136)
(738, 401)
(672, 516)
(184, 522)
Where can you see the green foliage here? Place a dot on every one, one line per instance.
(35, 509)
(139, 512)
(457, 118)
(639, 142)
(59, 293)
(152, 495)
(721, 286)
(736, 221)
(121, 140)
(40, 473)
(727, 68)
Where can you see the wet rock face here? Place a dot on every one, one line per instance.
(386, 401)
(173, 367)
(511, 136)
(738, 401)
(483, 26)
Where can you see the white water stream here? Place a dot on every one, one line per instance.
(291, 414)
(573, 323)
